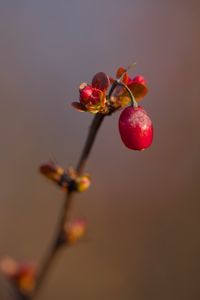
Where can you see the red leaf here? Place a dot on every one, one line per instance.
(138, 87)
(121, 72)
(112, 80)
(100, 81)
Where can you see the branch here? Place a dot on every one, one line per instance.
(57, 243)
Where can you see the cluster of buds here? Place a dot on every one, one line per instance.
(21, 274)
(95, 98)
(107, 95)
(66, 180)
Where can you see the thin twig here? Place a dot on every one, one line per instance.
(55, 247)
(57, 241)
(98, 119)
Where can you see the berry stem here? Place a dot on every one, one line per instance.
(57, 242)
(119, 83)
(133, 101)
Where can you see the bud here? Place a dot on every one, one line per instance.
(92, 99)
(21, 274)
(51, 170)
(85, 93)
(75, 230)
(56, 174)
(82, 183)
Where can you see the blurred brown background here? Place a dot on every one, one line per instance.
(143, 208)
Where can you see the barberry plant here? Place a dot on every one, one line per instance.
(102, 98)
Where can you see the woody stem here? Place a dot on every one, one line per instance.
(53, 250)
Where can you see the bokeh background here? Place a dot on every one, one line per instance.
(143, 239)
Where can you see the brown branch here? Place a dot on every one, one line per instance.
(57, 243)
(98, 119)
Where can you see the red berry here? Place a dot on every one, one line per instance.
(136, 128)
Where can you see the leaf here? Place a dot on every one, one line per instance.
(100, 81)
(112, 80)
(138, 87)
(121, 72)
(78, 106)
